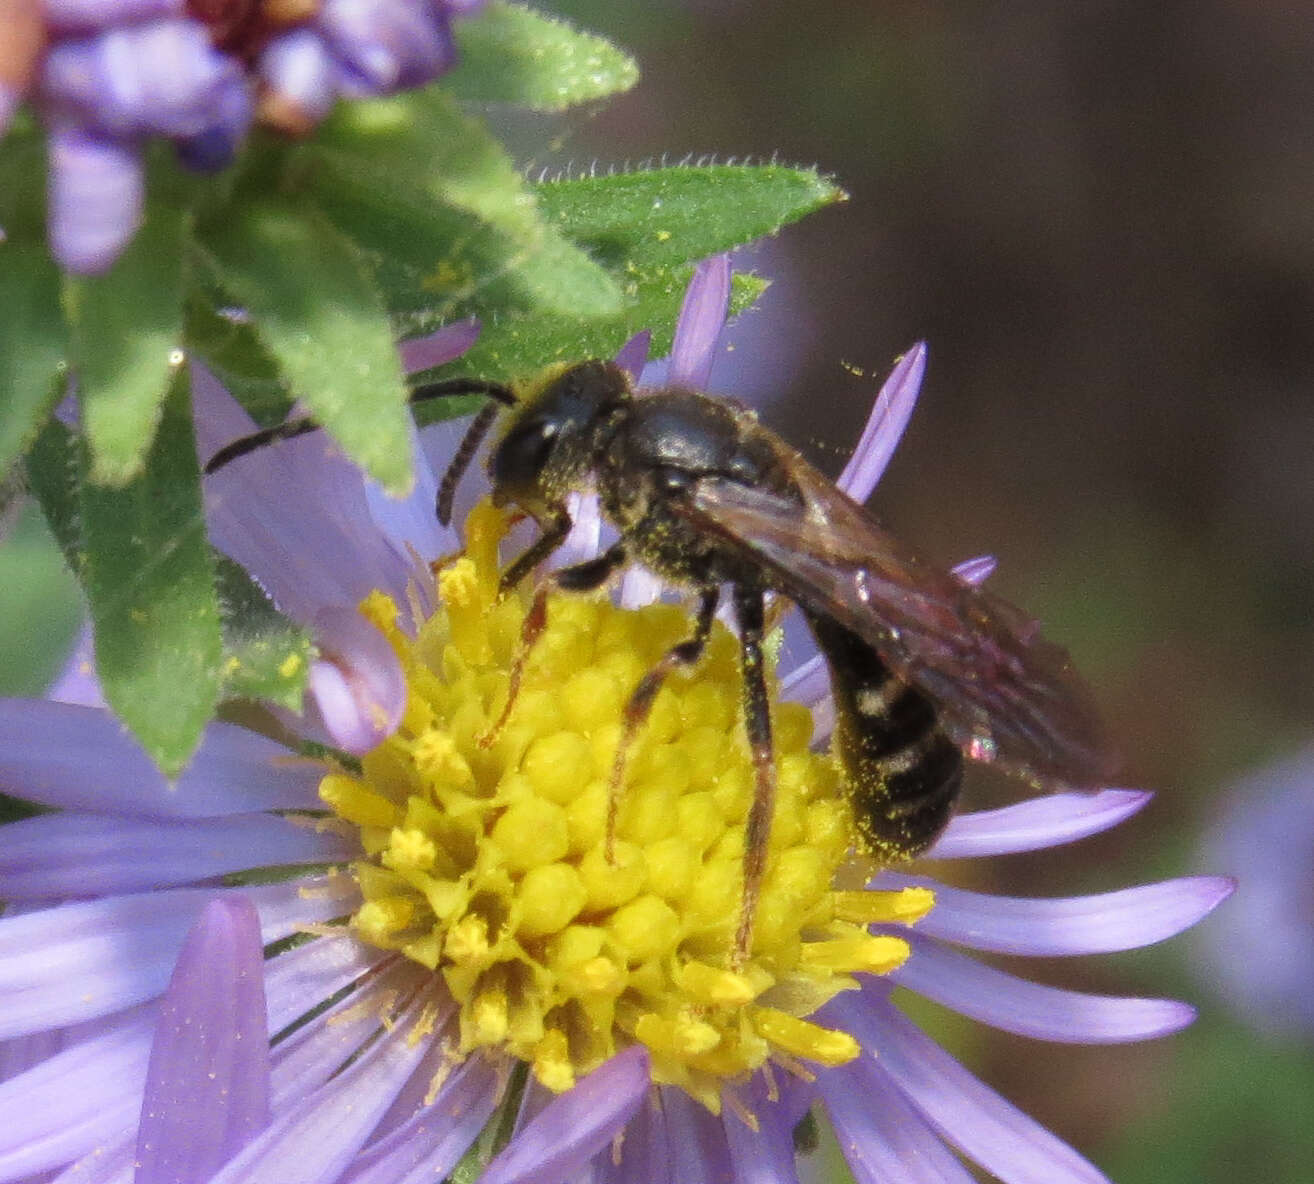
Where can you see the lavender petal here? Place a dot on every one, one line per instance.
(884, 1139)
(268, 512)
(77, 682)
(696, 1140)
(76, 1100)
(645, 1154)
(1036, 824)
(316, 1139)
(764, 1156)
(702, 317)
(298, 979)
(428, 1146)
(65, 855)
(300, 78)
(207, 1086)
(439, 347)
(576, 1125)
(1015, 1005)
(79, 758)
(987, 1129)
(889, 416)
(89, 15)
(95, 199)
(357, 683)
(633, 355)
(387, 44)
(1061, 926)
(78, 961)
(975, 572)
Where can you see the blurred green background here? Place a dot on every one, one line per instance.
(1100, 214)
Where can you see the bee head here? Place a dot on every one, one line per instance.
(549, 445)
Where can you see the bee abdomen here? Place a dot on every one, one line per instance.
(902, 773)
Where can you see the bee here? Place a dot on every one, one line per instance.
(925, 670)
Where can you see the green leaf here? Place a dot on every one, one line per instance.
(230, 346)
(317, 310)
(266, 655)
(127, 329)
(422, 149)
(33, 345)
(662, 217)
(512, 54)
(150, 584)
(53, 476)
(22, 187)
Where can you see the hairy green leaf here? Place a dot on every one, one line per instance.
(317, 310)
(512, 54)
(149, 580)
(266, 655)
(127, 330)
(661, 217)
(33, 345)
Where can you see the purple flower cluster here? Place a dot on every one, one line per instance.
(107, 75)
(123, 964)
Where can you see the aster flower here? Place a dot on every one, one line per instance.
(109, 75)
(487, 932)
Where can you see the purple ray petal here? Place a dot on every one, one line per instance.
(582, 541)
(1036, 824)
(77, 682)
(79, 758)
(975, 572)
(1060, 926)
(95, 199)
(314, 1140)
(640, 588)
(1030, 1009)
(884, 1140)
(987, 1129)
(300, 78)
(207, 1086)
(85, 15)
(54, 856)
(357, 683)
(696, 1140)
(889, 416)
(645, 1154)
(430, 1144)
(297, 980)
(387, 44)
(112, 1162)
(294, 514)
(439, 347)
(576, 1125)
(764, 1156)
(808, 683)
(633, 355)
(698, 329)
(77, 961)
(78, 1099)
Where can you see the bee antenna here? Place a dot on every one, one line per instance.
(293, 428)
(474, 436)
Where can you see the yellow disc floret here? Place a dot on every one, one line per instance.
(487, 864)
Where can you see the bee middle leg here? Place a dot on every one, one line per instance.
(750, 611)
(641, 699)
(582, 577)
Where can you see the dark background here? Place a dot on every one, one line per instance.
(1100, 215)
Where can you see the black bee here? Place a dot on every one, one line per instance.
(923, 667)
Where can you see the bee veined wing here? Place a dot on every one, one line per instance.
(1005, 693)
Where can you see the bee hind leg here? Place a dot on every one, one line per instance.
(750, 612)
(640, 702)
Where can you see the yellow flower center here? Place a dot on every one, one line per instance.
(487, 865)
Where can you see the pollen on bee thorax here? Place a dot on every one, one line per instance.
(487, 864)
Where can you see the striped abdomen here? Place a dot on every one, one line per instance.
(902, 773)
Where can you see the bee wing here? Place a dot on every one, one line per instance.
(1005, 693)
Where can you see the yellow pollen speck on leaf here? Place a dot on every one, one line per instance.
(486, 864)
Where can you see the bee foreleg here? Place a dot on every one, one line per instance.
(553, 535)
(583, 577)
(749, 610)
(686, 653)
